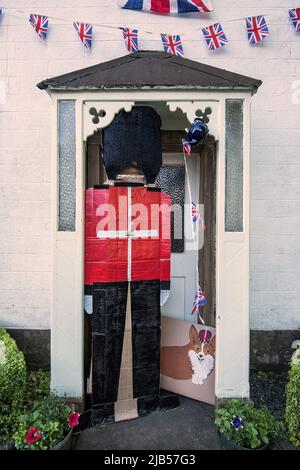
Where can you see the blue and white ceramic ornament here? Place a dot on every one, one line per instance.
(196, 134)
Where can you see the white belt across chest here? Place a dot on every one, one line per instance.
(129, 234)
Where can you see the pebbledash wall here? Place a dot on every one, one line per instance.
(25, 148)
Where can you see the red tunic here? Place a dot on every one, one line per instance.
(127, 234)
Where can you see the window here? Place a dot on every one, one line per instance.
(234, 166)
(66, 166)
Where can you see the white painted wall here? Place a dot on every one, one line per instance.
(25, 150)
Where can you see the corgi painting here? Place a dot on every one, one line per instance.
(187, 359)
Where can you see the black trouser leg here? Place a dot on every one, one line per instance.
(109, 309)
(145, 311)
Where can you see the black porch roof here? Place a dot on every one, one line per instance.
(150, 69)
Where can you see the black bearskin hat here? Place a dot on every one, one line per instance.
(133, 138)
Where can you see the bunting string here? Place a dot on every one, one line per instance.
(270, 17)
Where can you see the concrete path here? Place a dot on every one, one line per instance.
(188, 427)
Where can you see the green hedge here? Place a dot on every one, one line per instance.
(12, 370)
(292, 410)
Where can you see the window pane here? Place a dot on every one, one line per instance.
(171, 179)
(66, 166)
(234, 166)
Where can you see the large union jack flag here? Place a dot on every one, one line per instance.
(130, 38)
(85, 33)
(295, 18)
(172, 44)
(214, 36)
(168, 6)
(40, 24)
(257, 28)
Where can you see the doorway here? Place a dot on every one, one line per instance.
(201, 171)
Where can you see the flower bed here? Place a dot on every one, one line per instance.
(30, 416)
(45, 424)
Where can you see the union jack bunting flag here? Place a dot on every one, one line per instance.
(168, 6)
(187, 148)
(214, 36)
(172, 44)
(85, 33)
(199, 301)
(257, 28)
(295, 18)
(130, 38)
(40, 24)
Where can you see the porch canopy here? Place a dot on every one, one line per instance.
(87, 100)
(150, 69)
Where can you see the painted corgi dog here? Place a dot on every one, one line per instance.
(193, 361)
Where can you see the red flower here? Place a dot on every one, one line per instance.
(33, 435)
(73, 419)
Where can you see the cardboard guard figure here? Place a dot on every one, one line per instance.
(127, 268)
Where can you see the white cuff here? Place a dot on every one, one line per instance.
(88, 304)
(164, 295)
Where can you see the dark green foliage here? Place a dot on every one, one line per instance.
(292, 408)
(37, 385)
(258, 424)
(8, 419)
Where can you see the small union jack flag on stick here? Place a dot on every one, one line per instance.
(40, 24)
(196, 216)
(130, 38)
(199, 301)
(85, 33)
(187, 148)
(172, 44)
(295, 18)
(214, 36)
(195, 212)
(257, 28)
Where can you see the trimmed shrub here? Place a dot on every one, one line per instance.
(12, 371)
(292, 408)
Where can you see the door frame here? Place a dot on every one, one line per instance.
(232, 248)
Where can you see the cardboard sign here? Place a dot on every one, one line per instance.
(187, 362)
